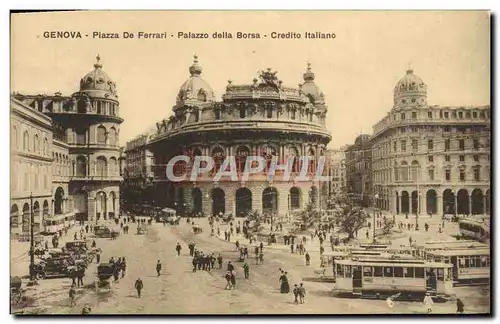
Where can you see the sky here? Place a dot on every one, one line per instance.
(357, 71)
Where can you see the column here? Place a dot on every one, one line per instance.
(52, 208)
(470, 204)
(206, 201)
(423, 205)
(439, 203)
(456, 204)
(484, 204)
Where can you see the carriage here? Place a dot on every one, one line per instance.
(197, 229)
(16, 292)
(104, 272)
(105, 232)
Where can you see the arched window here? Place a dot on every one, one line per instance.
(243, 112)
(14, 137)
(100, 109)
(45, 146)
(80, 136)
(36, 145)
(26, 141)
(202, 96)
(81, 166)
(102, 166)
(294, 154)
(404, 171)
(101, 135)
(112, 137)
(113, 166)
(269, 112)
(218, 156)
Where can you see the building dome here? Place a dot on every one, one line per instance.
(97, 83)
(195, 88)
(309, 87)
(410, 90)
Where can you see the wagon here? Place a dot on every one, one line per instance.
(16, 292)
(104, 272)
(105, 232)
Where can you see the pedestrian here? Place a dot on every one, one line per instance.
(426, 227)
(233, 279)
(261, 258)
(308, 259)
(261, 245)
(98, 257)
(428, 302)
(291, 248)
(178, 248)
(246, 270)
(302, 293)
(158, 268)
(284, 286)
(228, 280)
(138, 286)
(72, 295)
(230, 267)
(460, 306)
(124, 267)
(296, 293)
(219, 260)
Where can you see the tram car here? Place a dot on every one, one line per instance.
(387, 276)
(474, 230)
(469, 265)
(431, 246)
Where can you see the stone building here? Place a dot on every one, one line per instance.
(86, 151)
(263, 118)
(358, 162)
(336, 170)
(431, 159)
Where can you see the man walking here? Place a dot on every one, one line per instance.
(158, 268)
(246, 270)
(296, 293)
(178, 249)
(138, 286)
(72, 295)
(302, 293)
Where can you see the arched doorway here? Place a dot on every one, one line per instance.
(313, 197)
(80, 205)
(26, 217)
(295, 198)
(218, 201)
(101, 208)
(14, 217)
(431, 198)
(45, 209)
(448, 202)
(270, 200)
(397, 203)
(414, 202)
(477, 199)
(463, 202)
(36, 214)
(197, 199)
(58, 201)
(405, 202)
(243, 202)
(487, 200)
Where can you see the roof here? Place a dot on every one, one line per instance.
(396, 263)
(459, 252)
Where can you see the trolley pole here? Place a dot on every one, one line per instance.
(32, 240)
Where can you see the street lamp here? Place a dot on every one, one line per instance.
(374, 217)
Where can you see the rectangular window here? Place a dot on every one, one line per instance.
(461, 144)
(414, 115)
(347, 271)
(430, 145)
(419, 273)
(408, 272)
(482, 114)
(477, 176)
(403, 130)
(476, 158)
(460, 114)
(446, 129)
(440, 114)
(367, 271)
(448, 175)
(475, 143)
(388, 272)
(403, 146)
(378, 272)
(447, 144)
(446, 114)
(462, 176)
(440, 274)
(414, 145)
(395, 146)
(461, 158)
(430, 158)
(340, 270)
(447, 158)
(474, 114)
(431, 174)
(429, 114)
(398, 272)
(403, 116)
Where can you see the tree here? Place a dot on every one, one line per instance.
(387, 225)
(349, 218)
(309, 216)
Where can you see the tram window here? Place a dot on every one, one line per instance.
(408, 272)
(340, 270)
(388, 272)
(347, 271)
(398, 272)
(466, 262)
(367, 271)
(377, 272)
(440, 274)
(419, 273)
(484, 261)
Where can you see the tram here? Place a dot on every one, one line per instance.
(469, 265)
(475, 230)
(431, 246)
(376, 276)
(54, 225)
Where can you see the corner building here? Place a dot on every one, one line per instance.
(263, 118)
(431, 159)
(85, 151)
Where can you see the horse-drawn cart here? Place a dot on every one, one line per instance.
(104, 272)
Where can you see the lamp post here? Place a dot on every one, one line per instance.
(32, 239)
(374, 218)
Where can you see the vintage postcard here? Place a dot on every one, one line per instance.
(250, 162)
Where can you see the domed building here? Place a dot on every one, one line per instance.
(263, 118)
(86, 152)
(429, 159)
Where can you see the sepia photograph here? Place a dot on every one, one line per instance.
(250, 162)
